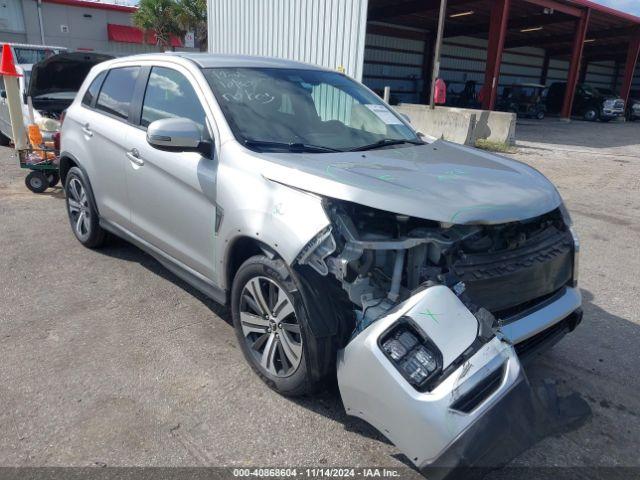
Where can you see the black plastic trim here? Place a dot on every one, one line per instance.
(483, 390)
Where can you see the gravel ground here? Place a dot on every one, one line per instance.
(109, 359)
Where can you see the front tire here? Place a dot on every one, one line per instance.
(83, 217)
(270, 317)
(591, 115)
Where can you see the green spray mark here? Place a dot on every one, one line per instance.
(430, 314)
(451, 175)
(386, 178)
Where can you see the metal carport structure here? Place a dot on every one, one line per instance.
(579, 31)
(390, 42)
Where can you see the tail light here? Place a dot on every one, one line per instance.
(62, 115)
(56, 141)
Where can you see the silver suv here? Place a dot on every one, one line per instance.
(416, 271)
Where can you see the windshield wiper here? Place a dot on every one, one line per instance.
(292, 146)
(385, 142)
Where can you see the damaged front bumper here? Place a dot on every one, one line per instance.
(457, 420)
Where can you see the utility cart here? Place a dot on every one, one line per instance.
(43, 163)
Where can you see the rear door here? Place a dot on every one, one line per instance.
(105, 126)
(173, 193)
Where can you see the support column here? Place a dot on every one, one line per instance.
(427, 67)
(576, 60)
(545, 68)
(584, 68)
(630, 66)
(497, 34)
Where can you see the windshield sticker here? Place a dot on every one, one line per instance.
(384, 114)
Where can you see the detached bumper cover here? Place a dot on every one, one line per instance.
(423, 425)
(477, 414)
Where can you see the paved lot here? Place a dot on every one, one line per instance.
(109, 359)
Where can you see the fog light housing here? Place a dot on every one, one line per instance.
(412, 353)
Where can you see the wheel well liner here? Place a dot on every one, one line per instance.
(240, 251)
(67, 162)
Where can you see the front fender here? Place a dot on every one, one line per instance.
(283, 218)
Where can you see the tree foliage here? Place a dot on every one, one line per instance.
(191, 15)
(160, 17)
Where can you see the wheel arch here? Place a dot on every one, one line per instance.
(240, 250)
(67, 162)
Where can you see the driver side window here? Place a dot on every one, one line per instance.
(170, 95)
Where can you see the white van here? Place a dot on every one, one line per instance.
(25, 56)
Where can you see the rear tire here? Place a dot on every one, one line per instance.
(36, 181)
(53, 179)
(270, 311)
(83, 216)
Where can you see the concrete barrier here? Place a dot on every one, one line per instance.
(461, 125)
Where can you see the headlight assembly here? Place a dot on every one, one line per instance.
(565, 215)
(412, 353)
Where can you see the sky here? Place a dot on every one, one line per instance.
(629, 6)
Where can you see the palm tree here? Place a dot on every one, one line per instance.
(159, 16)
(192, 16)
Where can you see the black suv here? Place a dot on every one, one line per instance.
(588, 102)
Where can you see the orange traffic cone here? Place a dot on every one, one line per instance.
(7, 66)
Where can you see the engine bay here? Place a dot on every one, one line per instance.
(380, 259)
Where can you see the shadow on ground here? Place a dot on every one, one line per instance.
(566, 408)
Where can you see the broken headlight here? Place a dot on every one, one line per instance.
(566, 217)
(412, 353)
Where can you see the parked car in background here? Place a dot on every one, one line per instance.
(588, 102)
(524, 99)
(345, 244)
(25, 56)
(633, 106)
(52, 84)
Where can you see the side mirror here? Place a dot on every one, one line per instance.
(177, 135)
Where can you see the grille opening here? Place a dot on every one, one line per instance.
(549, 336)
(478, 394)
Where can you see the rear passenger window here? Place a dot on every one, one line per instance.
(169, 94)
(117, 91)
(93, 89)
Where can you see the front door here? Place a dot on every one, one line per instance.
(172, 193)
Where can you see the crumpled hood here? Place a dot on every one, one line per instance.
(440, 181)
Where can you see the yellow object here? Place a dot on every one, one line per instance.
(37, 143)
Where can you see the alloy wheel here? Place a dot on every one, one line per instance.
(270, 326)
(79, 208)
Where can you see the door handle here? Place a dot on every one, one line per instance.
(134, 156)
(87, 131)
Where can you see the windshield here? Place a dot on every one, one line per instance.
(270, 109)
(589, 89)
(33, 55)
